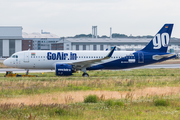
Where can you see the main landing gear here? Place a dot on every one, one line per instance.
(84, 74)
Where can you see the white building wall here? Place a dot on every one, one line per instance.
(87, 47)
(91, 47)
(105, 47)
(11, 31)
(80, 47)
(98, 47)
(5, 47)
(73, 47)
(109, 47)
(18, 45)
(67, 45)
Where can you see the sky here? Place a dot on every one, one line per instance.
(71, 17)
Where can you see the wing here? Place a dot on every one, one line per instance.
(88, 63)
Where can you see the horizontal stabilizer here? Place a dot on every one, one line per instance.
(158, 57)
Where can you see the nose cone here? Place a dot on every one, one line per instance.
(5, 62)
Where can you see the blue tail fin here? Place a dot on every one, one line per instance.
(161, 40)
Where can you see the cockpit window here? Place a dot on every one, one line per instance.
(14, 56)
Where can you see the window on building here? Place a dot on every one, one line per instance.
(101, 47)
(1, 48)
(11, 47)
(84, 47)
(77, 47)
(94, 47)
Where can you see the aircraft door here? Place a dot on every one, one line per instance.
(26, 57)
(140, 57)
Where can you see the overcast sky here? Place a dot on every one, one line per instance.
(71, 17)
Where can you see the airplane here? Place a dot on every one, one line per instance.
(67, 62)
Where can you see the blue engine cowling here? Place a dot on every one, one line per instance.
(63, 69)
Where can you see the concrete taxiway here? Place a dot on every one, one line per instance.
(153, 66)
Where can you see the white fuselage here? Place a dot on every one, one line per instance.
(35, 59)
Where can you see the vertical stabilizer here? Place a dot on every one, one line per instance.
(161, 40)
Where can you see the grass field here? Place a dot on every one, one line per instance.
(133, 94)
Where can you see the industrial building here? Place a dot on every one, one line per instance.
(10, 40)
(41, 41)
(107, 43)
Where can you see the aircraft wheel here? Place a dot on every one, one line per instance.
(85, 75)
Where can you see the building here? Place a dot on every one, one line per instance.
(106, 43)
(10, 40)
(41, 41)
(27, 45)
(102, 43)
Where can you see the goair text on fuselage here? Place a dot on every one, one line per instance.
(61, 56)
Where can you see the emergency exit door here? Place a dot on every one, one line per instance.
(26, 57)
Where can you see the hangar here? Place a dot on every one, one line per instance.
(106, 43)
(10, 40)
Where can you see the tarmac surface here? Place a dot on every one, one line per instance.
(153, 66)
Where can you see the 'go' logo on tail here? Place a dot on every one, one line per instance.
(161, 40)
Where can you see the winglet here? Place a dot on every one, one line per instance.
(110, 53)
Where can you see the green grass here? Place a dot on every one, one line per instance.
(91, 99)
(149, 107)
(161, 102)
(100, 110)
(115, 81)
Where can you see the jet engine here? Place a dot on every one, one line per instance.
(63, 69)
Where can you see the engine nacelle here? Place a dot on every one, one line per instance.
(63, 69)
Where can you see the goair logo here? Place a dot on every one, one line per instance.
(61, 56)
(161, 40)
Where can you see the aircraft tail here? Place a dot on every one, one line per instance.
(161, 40)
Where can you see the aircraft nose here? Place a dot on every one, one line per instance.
(5, 62)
